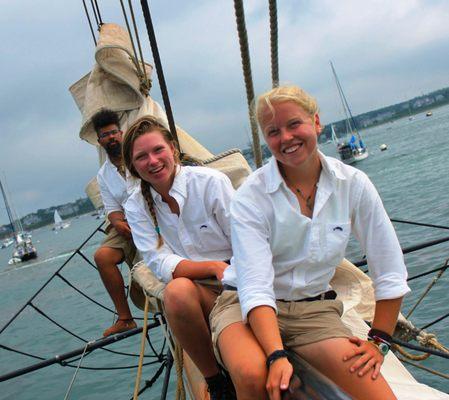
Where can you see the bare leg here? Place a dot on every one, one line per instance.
(245, 361)
(187, 308)
(327, 357)
(107, 259)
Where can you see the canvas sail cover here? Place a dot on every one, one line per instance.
(114, 83)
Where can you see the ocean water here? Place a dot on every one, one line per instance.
(412, 177)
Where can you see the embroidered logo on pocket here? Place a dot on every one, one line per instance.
(203, 227)
(338, 228)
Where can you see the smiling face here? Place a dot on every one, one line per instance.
(291, 134)
(153, 158)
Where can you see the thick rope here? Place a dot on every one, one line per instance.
(246, 65)
(274, 43)
(220, 156)
(179, 365)
(142, 348)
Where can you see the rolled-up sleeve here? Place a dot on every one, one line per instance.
(161, 261)
(377, 237)
(110, 204)
(252, 256)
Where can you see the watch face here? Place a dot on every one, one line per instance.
(384, 348)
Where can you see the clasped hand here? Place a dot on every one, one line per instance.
(122, 228)
(367, 357)
(278, 379)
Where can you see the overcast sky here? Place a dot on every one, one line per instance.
(384, 52)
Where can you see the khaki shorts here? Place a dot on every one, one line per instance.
(300, 322)
(116, 241)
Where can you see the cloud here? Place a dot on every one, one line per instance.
(384, 52)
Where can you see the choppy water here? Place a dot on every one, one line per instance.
(412, 178)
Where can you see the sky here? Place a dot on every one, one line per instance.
(384, 52)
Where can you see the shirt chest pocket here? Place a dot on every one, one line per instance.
(210, 236)
(336, 238)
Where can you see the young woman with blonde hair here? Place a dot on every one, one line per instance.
(179, 218)
(290, 224)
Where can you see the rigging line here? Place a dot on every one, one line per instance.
(95, 13)
(435, 321)
(427, 369)
(152, 381)
(90, 23)
(402, 221)
(274, 43)
(136, 59)
(159, 71)
(51, 278)
(88, 297)
(136, 32)
(246, 66)
(410, 249)
(99, 343)
(98, 12)
(426, 291)
(87, 260)
(346, 102)
(79, 337)
(427, 273)
(158, 355)
(419, 348)
(67, 394)
(21, 352)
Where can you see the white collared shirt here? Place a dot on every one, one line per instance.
(200, 233)
(281, 254)
(114, 189)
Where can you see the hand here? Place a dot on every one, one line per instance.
(278, 379)
(122, 228)
(218, 268)
(369, 357)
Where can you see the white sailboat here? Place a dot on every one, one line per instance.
(23, 247)
(359, 150)
(59, 223)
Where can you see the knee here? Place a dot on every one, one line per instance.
(250, 379)
(179, 294)
(105, 256)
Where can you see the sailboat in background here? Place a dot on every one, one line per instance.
(23, 247)
(358, 149)
(59, 223)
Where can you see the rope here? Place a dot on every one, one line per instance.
(159, 71)
(220, 156)
(432, 371)
(90, 23)
(147, 82)
(410, 356)
(142, 348)
(424, 294)
(95, 13)
(402, 221)
(435, 321)
(246, 65)
(76, 372)
(179, 365)
(274, 43)
(140, 74)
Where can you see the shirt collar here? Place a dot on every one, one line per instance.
(179, 185)
(331, 168)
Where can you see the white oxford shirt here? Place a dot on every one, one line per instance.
(200, 233)
(281, 254)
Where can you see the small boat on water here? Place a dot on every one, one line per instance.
(6, 243)
(429, 113)
(59, 223)
(23, 246)
(355, 146)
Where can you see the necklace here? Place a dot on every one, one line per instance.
(308, 199)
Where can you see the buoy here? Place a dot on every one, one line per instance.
(383, 147)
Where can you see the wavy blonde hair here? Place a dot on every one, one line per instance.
(282, 94)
